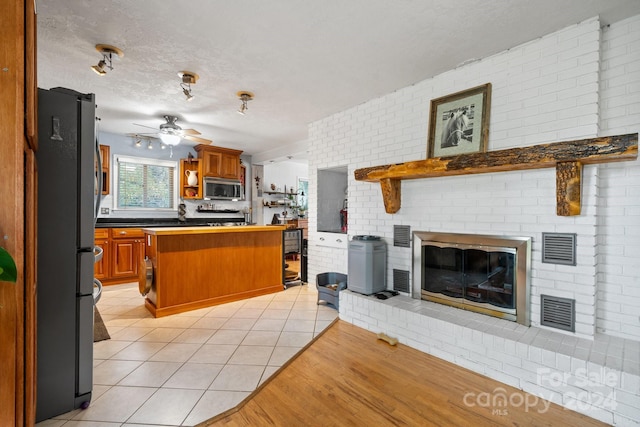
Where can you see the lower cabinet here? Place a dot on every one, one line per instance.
(101, 240)
(123, 253)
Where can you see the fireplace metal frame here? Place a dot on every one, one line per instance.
(522, 246)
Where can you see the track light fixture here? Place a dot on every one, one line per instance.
(188, 79)
(107, 52)
(244, 97)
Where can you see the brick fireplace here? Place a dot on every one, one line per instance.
(481, 273)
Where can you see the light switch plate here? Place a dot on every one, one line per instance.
(104, 211)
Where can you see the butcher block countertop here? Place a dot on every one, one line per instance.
(169, 231)
(202, 266)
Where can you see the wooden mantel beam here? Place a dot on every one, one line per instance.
(570, 153)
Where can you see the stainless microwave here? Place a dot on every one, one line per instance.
(222, 189)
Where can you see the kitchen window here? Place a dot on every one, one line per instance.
(143, 183)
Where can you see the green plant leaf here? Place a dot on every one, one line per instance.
(8, 270)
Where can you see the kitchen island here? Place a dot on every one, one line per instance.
(197, 267)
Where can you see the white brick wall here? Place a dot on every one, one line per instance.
(543, 91)
(618, 306)
(580, 374)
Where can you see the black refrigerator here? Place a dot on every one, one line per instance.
(66, 219)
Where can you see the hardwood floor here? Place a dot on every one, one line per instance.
(347, 377)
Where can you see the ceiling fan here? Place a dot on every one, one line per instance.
(171, 134)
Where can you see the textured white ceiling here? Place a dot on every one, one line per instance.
(304, 60)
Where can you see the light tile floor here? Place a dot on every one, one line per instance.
(183, 369)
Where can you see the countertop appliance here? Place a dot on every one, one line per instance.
(66, 218)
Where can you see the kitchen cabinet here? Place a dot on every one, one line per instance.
(187, 167)
(219, 162)
(101, 240)
(123, 252)
(127, 249)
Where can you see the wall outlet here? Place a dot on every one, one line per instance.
(104, 211)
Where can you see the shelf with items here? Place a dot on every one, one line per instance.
(190, 179)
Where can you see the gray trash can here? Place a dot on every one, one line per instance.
(367, 265)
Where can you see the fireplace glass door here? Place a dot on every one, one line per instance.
(480, 275)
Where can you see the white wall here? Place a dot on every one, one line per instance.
(618, 299)
(552, 89)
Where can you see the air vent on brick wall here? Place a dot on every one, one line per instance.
(559, 248)
(559, 313)
(400, 280)
(402, 236)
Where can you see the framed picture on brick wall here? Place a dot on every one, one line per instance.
(459, 123)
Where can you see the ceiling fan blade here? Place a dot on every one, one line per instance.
(197, 139)
(190, 132)
(145, 126)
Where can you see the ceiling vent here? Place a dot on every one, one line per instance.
(402, 236)
(559, 248)
(559, 313)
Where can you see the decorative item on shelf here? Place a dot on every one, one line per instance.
(182, 211)
(273, 187)
(192, 177)
(190, 192)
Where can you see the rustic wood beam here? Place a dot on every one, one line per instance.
(585, 151)
(568, 188)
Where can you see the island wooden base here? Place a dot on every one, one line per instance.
(181, 308)
(198, 267)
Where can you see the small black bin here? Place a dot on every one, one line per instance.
(329, 286)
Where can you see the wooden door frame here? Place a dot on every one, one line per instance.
(18, 126)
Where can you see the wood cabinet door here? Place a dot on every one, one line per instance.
(230, 166)
(125, 257)
(101, 268)
(212, 165)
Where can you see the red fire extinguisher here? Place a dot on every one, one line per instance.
(343, 220)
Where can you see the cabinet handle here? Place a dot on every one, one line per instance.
(322, 238)
(122, 233)
(339, 240)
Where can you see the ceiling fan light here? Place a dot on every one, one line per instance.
(170, 139)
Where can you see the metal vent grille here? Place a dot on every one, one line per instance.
(559, 248)
(402, 236)
(400, 280)
(559, 313)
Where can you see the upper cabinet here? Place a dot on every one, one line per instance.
(219, 162)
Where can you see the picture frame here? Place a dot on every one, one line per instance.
(459, 123)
